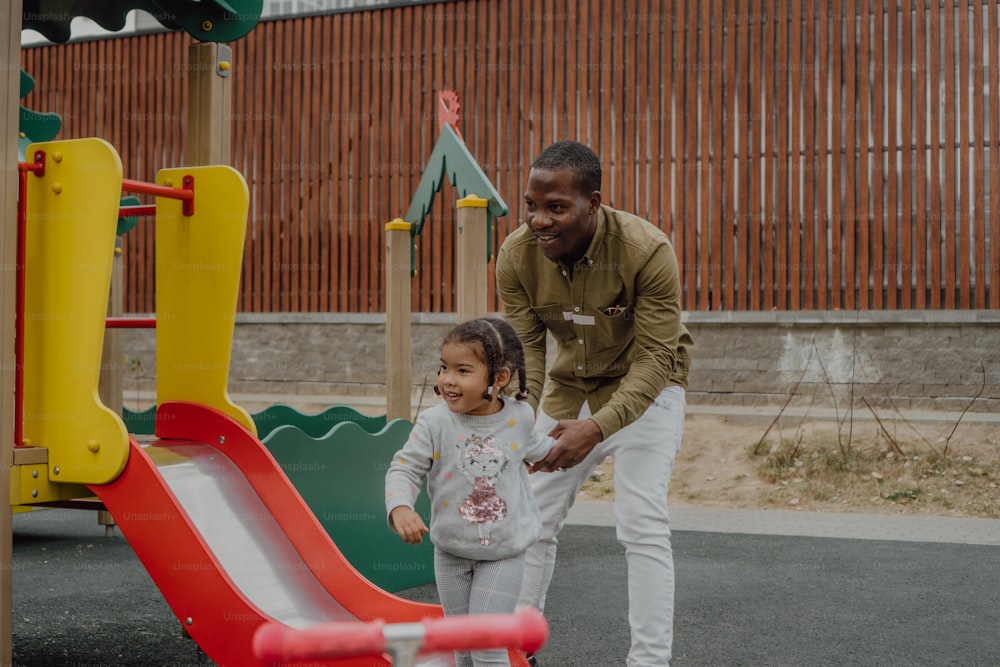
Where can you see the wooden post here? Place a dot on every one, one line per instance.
(472, 262)
(398, 371)
(10, 77)
(210, 105)
(111, 385)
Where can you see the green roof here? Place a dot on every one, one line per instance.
(206, 20)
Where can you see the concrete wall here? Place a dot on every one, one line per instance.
(908, 360)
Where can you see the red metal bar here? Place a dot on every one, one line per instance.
(34, 167)
(129, 185)
(139, 209)
(130, 323)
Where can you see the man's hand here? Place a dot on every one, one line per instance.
(575, 438)
(408, 524)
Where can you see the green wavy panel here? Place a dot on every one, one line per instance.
(341, 476)
(317, 425)
(274, 417)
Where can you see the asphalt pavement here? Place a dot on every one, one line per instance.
(753, 588)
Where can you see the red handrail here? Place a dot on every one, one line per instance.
(130, 323)
(129, 185)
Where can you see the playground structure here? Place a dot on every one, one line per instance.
(219, 527)
(253, 553)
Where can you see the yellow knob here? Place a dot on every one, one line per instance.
(224, 65)
(57, 156)
(94, 445)
(57, 187)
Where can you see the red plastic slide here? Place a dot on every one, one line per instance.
(231, 544)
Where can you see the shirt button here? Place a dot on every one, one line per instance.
(564, 272)
(580, 341)
(580, 367)
(576, 309)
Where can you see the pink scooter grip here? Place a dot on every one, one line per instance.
(526, 630)
(276, 642)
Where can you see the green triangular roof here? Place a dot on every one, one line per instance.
(451, 158)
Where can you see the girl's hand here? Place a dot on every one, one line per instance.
(408, 524)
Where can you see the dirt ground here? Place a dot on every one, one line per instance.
(896, 468)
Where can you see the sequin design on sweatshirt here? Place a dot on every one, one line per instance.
(482, 463)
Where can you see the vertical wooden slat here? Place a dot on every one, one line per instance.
(864, 130)
(726, 118)
(742, 121)
(850, 124)
(682, 212)
(757, 118)
(993, 18)
(269, 293)
(809, 161)
(910, 64)
(771, 144)
(692, 220)
(633, 113)
(978, 216)
(836, 162)
(606, 77)
(643, 113)
(964, 118)
(703, 180)
(894, 76)
(346, 285)
(922, 151)
(794, 222)
(319, 174)
(931, 251)
(298, 173)
(668, 200)
(783, 154)
(871, 292)
(949, 216)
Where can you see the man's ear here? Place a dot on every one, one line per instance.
(595, 201)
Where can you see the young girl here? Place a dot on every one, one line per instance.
(471, 448)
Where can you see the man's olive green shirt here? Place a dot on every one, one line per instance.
(615, 315)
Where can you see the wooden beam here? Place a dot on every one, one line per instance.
(471, 259)
(398, 371)
(10, 76)
(210, 105)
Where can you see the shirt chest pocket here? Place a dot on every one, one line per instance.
(556, 319)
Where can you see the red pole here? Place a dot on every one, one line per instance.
(130, 323)
(139, 209)
(128, 185)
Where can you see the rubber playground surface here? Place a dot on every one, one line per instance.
(82, 598)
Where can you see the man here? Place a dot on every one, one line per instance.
(605, 285)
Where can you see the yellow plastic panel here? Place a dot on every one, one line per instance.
(31, 484)
(198, 264)
(71, 216)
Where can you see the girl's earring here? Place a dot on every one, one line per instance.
(489, 393)
(437, 390)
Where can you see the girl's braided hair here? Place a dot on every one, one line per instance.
(501, 348)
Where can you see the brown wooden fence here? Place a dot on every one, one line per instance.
(816, 155)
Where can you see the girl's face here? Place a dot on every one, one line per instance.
(463, 380)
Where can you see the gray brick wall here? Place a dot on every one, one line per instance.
(907, 360)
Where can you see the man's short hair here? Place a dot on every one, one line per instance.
(574, 156)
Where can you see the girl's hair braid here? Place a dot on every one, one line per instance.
(501, 348)
(513, 353)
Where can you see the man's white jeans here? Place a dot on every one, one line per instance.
(644, 454)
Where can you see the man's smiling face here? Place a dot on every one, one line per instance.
(561, 217)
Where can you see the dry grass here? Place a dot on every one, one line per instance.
(895, 467)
